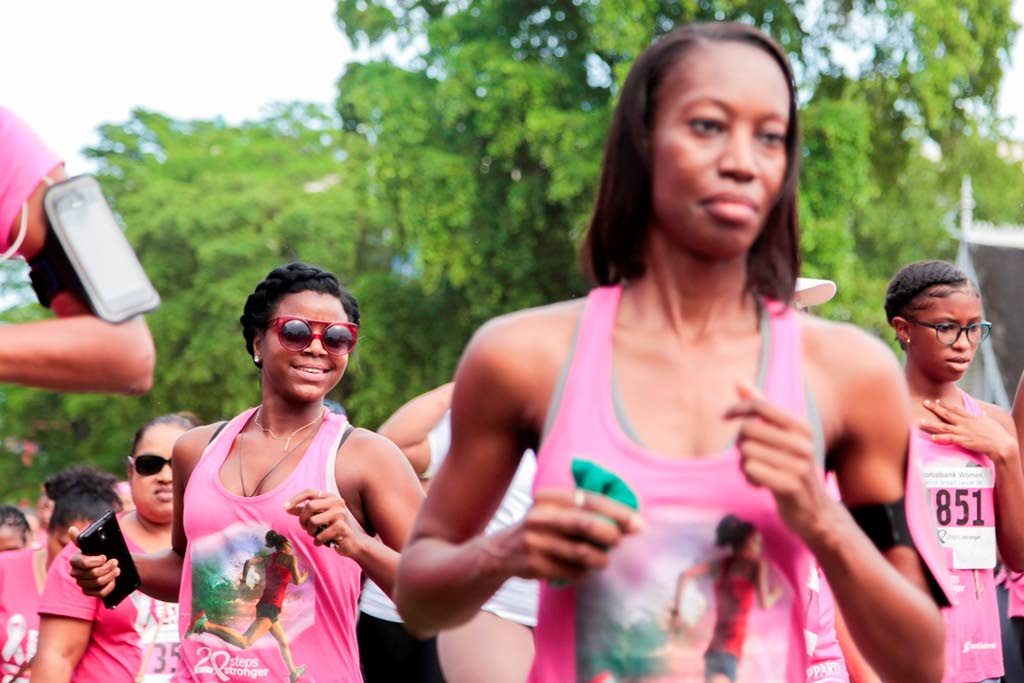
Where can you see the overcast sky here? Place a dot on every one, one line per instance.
(67, 65)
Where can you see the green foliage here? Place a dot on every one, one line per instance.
(454, 183)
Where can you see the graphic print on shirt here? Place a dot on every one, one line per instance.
(708, 610)
(251, 592)
(19, 649)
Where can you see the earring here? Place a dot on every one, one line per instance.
(255, 359)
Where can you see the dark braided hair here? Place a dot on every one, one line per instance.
(80, 493)
(934, 279)
(14, 518)
(291, 278)
(185, 420)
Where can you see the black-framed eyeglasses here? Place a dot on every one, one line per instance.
(148, 464)
(949, 333)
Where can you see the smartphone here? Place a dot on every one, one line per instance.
(105, 264)
(104, 537)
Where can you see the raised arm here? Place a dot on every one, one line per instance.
(409, 427)
(77, 351)
(371, 470)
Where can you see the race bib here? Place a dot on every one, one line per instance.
(962, 500)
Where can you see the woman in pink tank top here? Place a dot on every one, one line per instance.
(280, 511)
(685, 373)
(968, 453)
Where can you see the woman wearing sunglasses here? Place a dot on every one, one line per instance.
(80, 639)
(343, 498)
(969, 455)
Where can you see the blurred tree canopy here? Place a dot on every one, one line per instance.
(454, 178)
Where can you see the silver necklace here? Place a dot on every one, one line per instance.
(259, 484)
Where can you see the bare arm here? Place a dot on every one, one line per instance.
(449, 569)
(62, 642)
(885, 604)
(411, 424)
(77, 351)
(160, 571)
(390, 495)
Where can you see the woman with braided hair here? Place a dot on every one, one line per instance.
(343, 498)
(968, 453)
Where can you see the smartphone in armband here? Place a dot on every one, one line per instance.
(104, 537)
(90, 254)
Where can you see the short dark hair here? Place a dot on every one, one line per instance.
(275, 540)
(290, 278)
(80, 493)
(185, 420)
(733, 532)
(13, 517)
(613, 248)
(933, 279)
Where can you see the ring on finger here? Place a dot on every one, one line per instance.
(579, 498)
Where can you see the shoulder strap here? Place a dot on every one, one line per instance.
(330, 481)
(220, 428)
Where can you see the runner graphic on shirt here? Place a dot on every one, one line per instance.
(739, 577)
(695, 599)
(277, 570)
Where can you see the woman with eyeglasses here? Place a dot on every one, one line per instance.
(79, 495)
(342, 500)
(79, 638)
(968, 453)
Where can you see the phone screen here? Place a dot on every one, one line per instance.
(90, 224)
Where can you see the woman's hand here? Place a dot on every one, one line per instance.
(566, 534)
(326, 518)
(777, 452)
(94, 574)
(980, 433)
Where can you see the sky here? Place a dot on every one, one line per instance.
(68, 66)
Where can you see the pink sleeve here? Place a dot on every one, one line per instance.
(61, 595)
(26, 159)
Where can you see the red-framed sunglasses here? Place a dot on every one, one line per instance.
(296, 334)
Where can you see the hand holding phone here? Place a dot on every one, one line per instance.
(104, 537)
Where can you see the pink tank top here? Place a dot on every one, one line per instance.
(827, 664)
(960, 492)
(19, 617)
(652, 614)
(315, 618)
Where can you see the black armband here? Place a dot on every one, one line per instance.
(51, 272)
(884, 523)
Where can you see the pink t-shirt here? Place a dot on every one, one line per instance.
(960, 486)
(653, 613)
(140, 634)
(19, 619)
(24, 160)
(238, 572)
